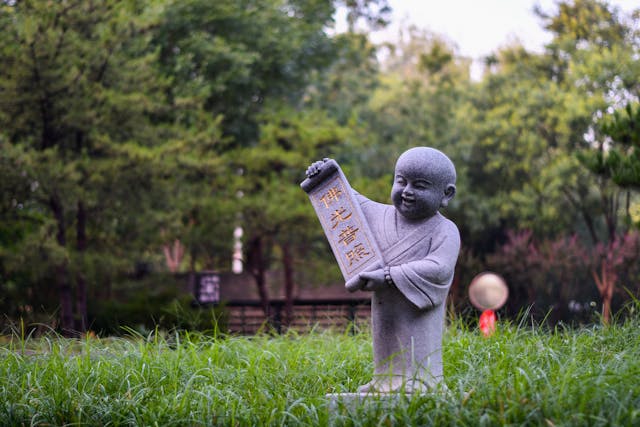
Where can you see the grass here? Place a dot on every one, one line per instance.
(520, 376)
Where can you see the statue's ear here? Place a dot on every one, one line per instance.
(449, 192)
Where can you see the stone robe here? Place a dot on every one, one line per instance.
(408, 318)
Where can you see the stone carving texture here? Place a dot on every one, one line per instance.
(410, 281)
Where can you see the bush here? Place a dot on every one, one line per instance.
(157, 301)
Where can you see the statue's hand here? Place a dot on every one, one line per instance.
(359, 282)
(315, 168)
(373, 279)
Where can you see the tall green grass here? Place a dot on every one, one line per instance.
(520, 376)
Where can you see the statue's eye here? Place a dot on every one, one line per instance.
(421, 184)
(400, 180)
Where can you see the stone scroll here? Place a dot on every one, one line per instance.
(343, 222)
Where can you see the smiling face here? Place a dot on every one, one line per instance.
(423, 182)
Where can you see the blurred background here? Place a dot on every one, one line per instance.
(151, 152)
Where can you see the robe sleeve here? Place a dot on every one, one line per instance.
(425, 282)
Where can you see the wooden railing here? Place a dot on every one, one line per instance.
(248, 317)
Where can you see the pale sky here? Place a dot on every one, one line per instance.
(478, 27)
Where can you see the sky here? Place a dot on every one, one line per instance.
(478, 27)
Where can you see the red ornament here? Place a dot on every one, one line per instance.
(487, 322)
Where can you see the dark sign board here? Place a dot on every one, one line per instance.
(208, 288)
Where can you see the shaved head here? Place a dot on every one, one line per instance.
(431, 161)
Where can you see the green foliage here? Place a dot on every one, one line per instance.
(99, 157)
(344, 88)
(375, 13)
(154, 303)
(514, 133)
(521, 375)
(527, 119)
(410, 105)
(580, 22)
(621, 161)
(277, 218)
(236, 56)
(525, 176)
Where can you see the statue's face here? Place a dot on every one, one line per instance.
(416, 193)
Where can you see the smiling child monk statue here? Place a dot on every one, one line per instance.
(420, 248)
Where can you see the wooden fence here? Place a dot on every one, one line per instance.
(247, 317)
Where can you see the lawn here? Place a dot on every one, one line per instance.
(523, 375)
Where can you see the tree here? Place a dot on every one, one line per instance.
(413, 103)
(87, 126)
(374, 13)
(617, 160)
(516, 144)
(624, 159)
(528, 118)
(534, 115)
(580, 24)
(253, 64)
(595, 56)
(238, 55)
(68, 95)
(276, 214)
(609, 262)
(120, 122)
(344, 88)
(619, 157)
(606, 62)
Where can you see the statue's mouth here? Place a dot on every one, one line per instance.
(408, 200)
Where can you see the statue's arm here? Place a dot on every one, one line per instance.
(439, 265)
(425, 282)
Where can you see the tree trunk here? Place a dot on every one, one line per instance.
(606, 310)
(609, 201)
(606, 283)
(586, 216)
(81, 283)
(61, 277)
(289, 285)
(193, 279)
(173, 255)
(627, 210)
(66, 301)
(258, 271)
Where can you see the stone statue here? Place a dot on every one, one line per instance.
(419, 247)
